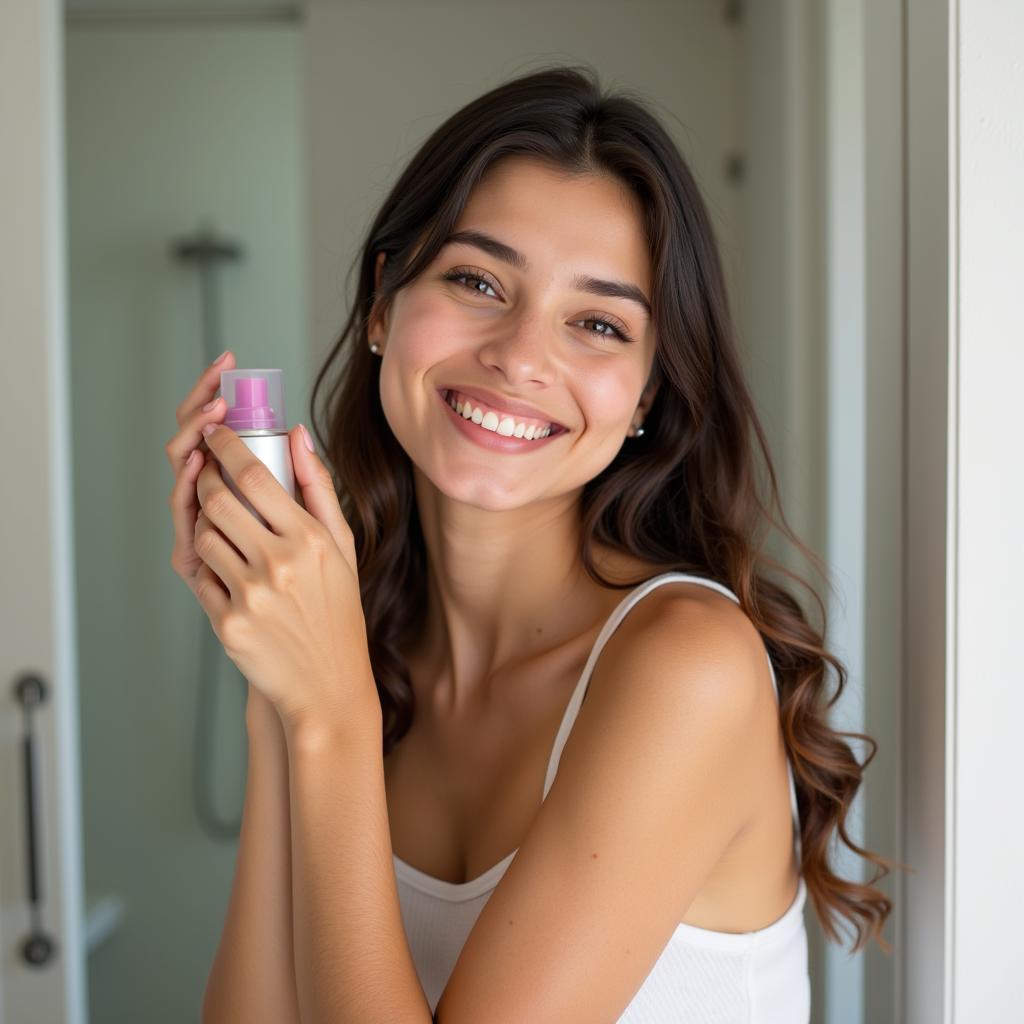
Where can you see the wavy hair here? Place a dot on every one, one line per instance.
(685, 495)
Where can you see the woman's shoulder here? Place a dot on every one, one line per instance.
(685, 599)
(685, 629)
(681, 616)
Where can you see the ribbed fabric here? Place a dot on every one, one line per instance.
(702, 976)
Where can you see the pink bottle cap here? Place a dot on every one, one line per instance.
(255, 399)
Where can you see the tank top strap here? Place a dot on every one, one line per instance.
(613, 622)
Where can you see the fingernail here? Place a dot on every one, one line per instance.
(306, 437)
(220, 358)
(192, 457)
(209, 428)
(210, 405)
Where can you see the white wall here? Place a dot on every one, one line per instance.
(165, 126)
(986, 699)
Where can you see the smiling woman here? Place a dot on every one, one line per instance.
(546, 260)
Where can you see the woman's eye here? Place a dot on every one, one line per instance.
(611, 329)
(614, 329)
(459, 276)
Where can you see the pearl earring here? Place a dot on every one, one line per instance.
(375, 348)
(639, 432)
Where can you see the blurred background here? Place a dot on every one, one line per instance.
(223, 159)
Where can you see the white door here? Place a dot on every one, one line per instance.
(42, 980)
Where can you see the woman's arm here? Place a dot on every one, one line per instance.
(253, 974)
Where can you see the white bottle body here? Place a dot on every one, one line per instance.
(272, 448)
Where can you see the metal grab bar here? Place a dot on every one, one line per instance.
(39, 947)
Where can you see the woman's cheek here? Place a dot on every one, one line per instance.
(428, 332)
(419, 345)
(612, 393)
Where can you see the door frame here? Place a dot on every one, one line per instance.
(928, 730)
(37, 586)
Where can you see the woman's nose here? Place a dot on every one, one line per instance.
(523, 350)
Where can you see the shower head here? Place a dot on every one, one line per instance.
(206, 247)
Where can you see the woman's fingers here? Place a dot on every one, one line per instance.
(218, 554)
(187, 456)
(212, 594)
(190, 437)
(184, 504)
(205, 387)
(191, 415)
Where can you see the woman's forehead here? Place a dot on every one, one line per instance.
(586, 224)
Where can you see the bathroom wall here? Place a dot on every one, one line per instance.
(167, 125)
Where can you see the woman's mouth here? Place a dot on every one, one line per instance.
(497, 431)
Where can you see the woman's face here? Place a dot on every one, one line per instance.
(523, 329)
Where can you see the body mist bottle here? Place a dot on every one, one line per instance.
(255, 411)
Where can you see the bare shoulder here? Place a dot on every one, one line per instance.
(660, 773)
(689, 641)
(685, 676)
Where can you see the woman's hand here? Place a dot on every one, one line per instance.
(284, 600)
(186, 443)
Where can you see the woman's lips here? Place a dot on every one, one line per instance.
(494, 402)
(491, 439)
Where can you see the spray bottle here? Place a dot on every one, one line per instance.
(255, 412)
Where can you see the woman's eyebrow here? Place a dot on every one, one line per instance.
(595, 286)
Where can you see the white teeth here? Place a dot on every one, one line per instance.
(506, 425)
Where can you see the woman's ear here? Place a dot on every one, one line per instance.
(647, 399)
(378, 321)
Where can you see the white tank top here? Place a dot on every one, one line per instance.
(701, 975)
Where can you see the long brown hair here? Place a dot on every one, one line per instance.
(685, 495)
